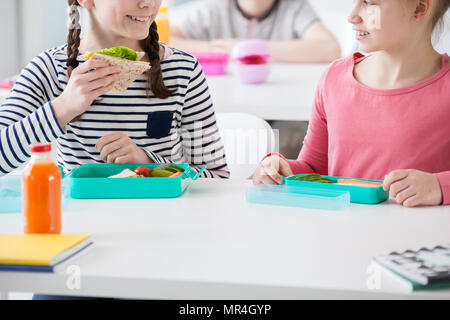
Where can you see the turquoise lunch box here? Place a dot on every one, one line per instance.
(358, 194)
(90, 181)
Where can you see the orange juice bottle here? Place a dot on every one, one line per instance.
(41, 189)
(162, 21)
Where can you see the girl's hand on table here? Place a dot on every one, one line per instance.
(271, 171)
(413, 188)
(119, 148)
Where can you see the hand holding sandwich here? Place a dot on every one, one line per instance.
(89, 81)
(105, 70)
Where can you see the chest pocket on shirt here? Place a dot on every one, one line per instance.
(159, 124)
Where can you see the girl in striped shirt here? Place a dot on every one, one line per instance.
(165, 116)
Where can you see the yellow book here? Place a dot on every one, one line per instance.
(39, 250)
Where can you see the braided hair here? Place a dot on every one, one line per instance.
(155, 78)
(150, 45)
(73, 38)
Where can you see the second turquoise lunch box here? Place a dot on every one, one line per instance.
(358, 194)
(90, 181)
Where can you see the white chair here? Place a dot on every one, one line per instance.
(247, 139)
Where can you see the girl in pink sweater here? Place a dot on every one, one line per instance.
(385, 116)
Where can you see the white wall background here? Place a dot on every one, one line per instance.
(44, 25)
(9, 44)
(28, 27)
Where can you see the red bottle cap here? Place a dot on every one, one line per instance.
(41, 147)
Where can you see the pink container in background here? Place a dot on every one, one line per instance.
(213, 63)
(252, 65)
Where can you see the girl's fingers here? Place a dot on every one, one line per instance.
(413, 201)
(103, 82)
(103, 90)
(273, 174)
(112, 157)
(285, 169)
(267, 180)
(262, 178)
(257, 177)
(404, 195)
(266, 175)
(398, 187)
(393, 177)
(89, 65)
(103, 141)
(123, 159)
(110, 148)
(100, 73)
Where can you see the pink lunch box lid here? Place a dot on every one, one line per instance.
(211, 57)
(252, 47)
(6, 85)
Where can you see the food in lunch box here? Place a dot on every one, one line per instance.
(170, 167)
(167, 171)
(179, 173)
(359, 183)
(125, 58)
(314, 177)
(127, 173)
(143, 171)
(160, 171)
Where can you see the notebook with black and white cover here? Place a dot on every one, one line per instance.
(426, 266)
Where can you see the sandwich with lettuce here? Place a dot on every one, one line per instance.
(127, 59)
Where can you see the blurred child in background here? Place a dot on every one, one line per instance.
(292, 28)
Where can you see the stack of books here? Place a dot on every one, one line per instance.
(423, 269)
(40, 252)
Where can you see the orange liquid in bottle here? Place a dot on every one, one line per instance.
(163, 30)
(41, 190)
(162, 21)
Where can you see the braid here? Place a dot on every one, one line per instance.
(73, 38)
(155, 78)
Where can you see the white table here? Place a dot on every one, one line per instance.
(287, 95)
(212, 244)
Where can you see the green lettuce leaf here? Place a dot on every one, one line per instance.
(120, 52)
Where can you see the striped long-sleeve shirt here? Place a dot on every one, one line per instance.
(180, 129)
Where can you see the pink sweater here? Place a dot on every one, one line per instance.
(359, 132)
